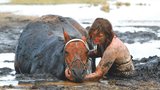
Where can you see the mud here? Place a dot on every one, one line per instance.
(5, 71)
(147, 74)
(140, 36)
(10, 28)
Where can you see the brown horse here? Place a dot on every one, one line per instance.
(45, 48)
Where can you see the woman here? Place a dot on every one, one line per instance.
(115, 57)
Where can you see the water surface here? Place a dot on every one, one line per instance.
(132, 18)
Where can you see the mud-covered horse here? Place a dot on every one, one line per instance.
(53, 45)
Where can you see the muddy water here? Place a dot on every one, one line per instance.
(142, 42)
(7, 72)
(141, 36)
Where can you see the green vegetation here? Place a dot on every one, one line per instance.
(105, 7)
(121, 4)
(56, 1)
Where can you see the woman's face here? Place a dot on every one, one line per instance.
(97, 38)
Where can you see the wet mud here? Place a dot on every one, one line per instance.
(10, 28)
(5, 71)
(140, 36)
(147, 75)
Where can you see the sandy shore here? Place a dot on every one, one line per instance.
(148, 69)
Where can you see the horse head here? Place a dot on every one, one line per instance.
(76, 58)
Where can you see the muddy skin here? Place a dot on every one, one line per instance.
(146, 77)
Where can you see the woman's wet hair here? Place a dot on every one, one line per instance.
(104, 26)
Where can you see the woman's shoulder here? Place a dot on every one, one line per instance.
(116, 42)
(117, 46)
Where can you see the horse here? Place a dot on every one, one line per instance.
(53, 45)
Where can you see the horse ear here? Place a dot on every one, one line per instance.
(84, 38)
(66, 36)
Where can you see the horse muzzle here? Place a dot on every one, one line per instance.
(78, 74)
(77, 71)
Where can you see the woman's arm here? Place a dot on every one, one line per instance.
(104, 65)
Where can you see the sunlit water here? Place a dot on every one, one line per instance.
(133, 15)
(6, 60)
(4, 1)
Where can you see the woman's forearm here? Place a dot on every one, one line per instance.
(98, 74)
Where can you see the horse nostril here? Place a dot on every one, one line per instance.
(83, 72)
(78, 73)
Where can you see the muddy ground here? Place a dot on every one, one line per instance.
(147, 69)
